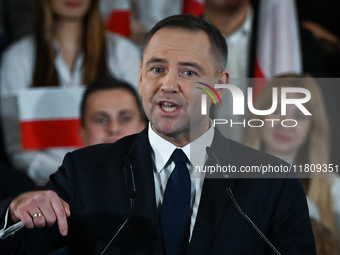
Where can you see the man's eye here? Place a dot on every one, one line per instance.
(157, 69)
(300, 117)
(103, 121)
(189, 73)
(126, 119)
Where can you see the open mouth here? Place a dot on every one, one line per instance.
(168, 107)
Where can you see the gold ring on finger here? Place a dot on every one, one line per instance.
(36, 215)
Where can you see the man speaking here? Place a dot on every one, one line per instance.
(86, 205)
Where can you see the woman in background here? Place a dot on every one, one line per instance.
(69, 48)
(306, 143)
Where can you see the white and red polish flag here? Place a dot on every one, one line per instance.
(195, 7)
(278, 41)
(116, 15)
(49, 118)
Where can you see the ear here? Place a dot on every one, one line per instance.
(140, 78)
(223, 78)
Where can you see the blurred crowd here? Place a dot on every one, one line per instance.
(97, 44)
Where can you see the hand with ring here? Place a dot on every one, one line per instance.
(37, 215)
(40, 209)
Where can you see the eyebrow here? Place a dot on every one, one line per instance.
(162, 60)
(195, 65)
(100, 113)
(126, 111)
(156, 60)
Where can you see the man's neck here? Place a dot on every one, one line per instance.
(185, 138)
(227, 20)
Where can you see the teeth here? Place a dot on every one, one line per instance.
(168, 107)
(167, 104)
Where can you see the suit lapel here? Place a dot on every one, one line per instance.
(214, 199)
(145, 215)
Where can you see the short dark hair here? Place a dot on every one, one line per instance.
(192, 23)
(108, 83)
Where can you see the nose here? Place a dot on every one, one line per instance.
(170, 83)
(113, 128)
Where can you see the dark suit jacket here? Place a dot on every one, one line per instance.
(13, 182)
(91, 181)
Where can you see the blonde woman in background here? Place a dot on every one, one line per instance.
(306, 143)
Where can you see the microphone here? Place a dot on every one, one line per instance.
(213, 157)
(131, 192)
(129, 178)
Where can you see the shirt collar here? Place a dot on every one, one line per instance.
(79, 58)
(195, 151)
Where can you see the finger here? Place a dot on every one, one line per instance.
(37, 216)
(39, 221)
(66, 208)
(61, 215)
(48, 214)
(26, 219)
(14, 216)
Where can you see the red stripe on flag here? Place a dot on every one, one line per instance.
(258, 72)
(119, 23)
(260, 82)
(193, 7)
(44, 134)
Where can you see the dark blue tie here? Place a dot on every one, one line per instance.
(175, 212)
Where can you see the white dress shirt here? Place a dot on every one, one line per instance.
(164, 165)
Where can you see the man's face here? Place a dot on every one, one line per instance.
(171, 59)
(110, 115)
